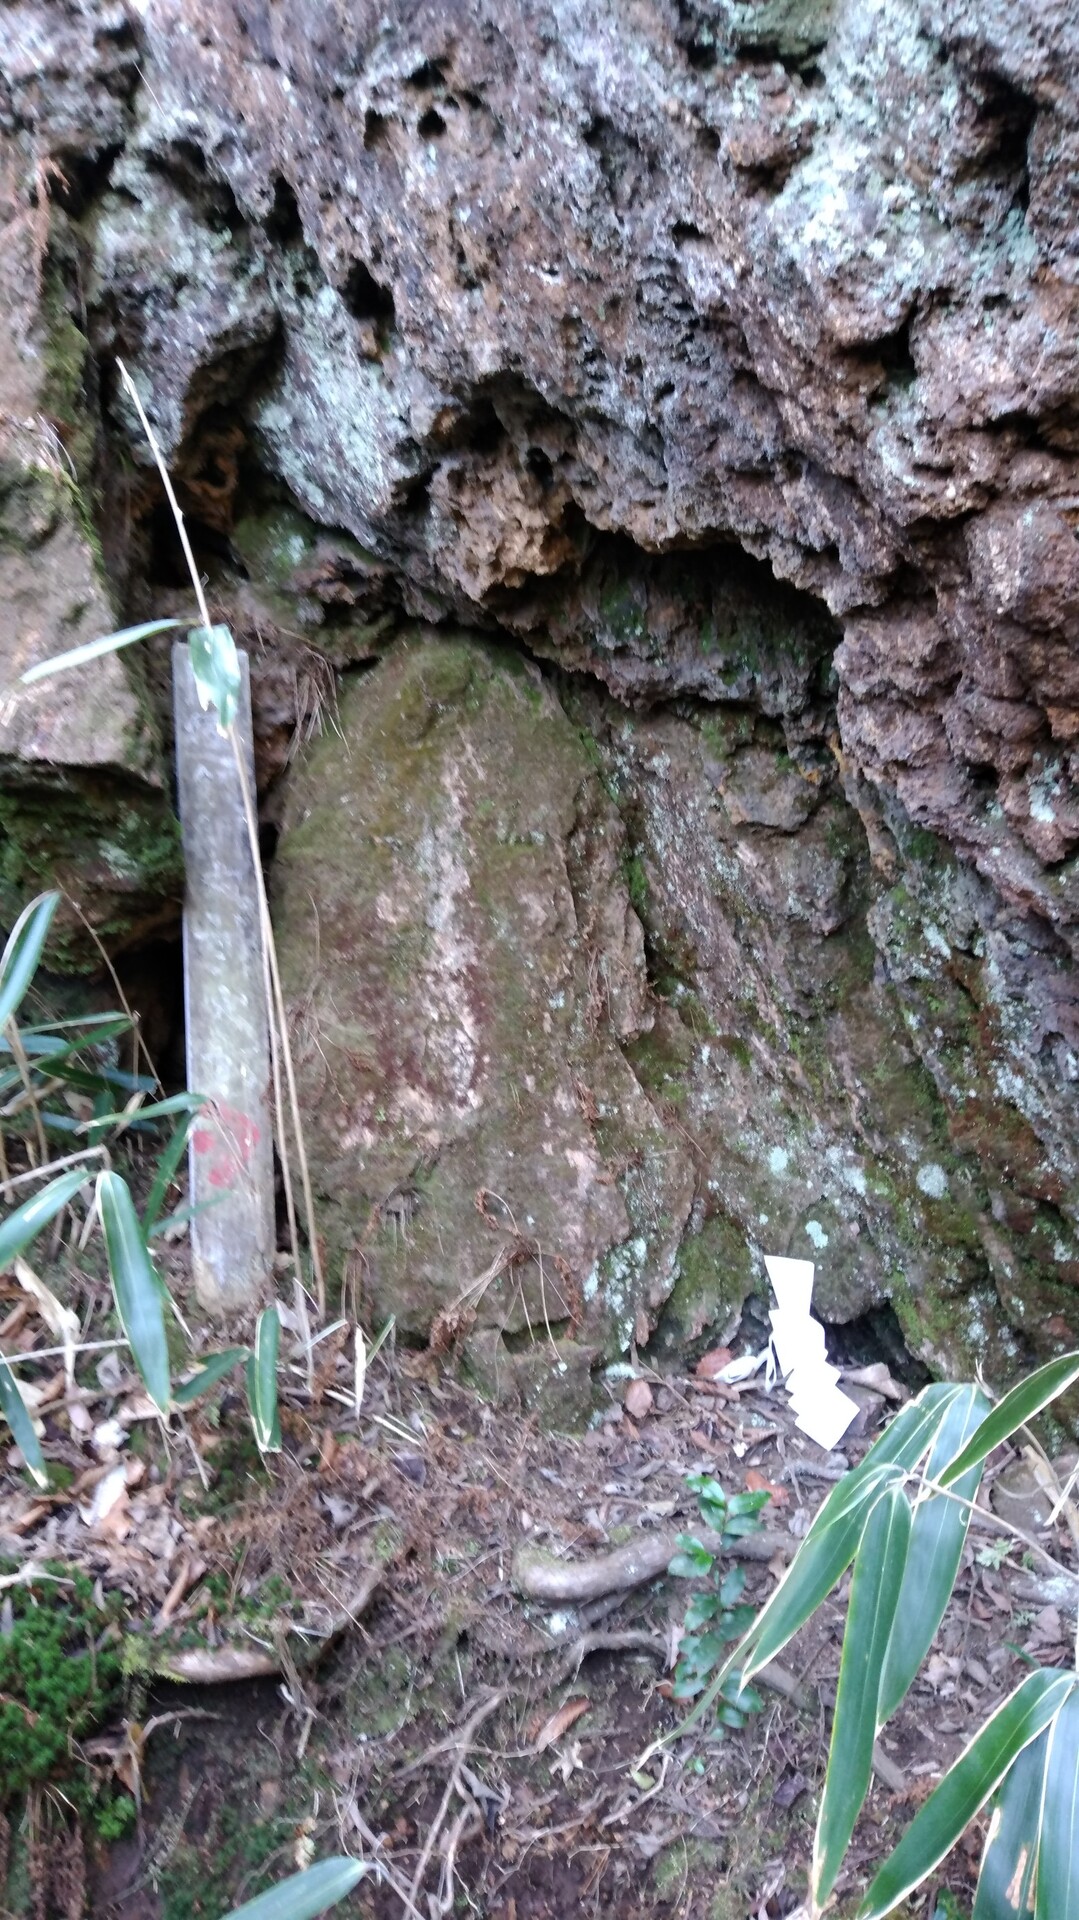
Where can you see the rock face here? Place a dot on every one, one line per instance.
(83, 797)
(465, 970)
(724, 357)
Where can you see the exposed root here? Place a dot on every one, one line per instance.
(539, 1576)
(215, 1666)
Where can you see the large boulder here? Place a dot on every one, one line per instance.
(464, 971)
(725, 356)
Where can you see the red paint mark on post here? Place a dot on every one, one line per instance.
(228, 1144)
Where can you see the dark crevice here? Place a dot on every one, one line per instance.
(81, 178)
(184, 163)
(427, 77)
(431, 124)
(1005, 118)
(701, 55)
(892, 354)
(166, 565)
(877, 1335)
(413, 496)
(283, 223)
(366, 298)
(374, 129)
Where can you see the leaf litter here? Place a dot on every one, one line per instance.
(465, 1739)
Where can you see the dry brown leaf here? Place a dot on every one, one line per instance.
(637, 1399)
(757, 1483)
(712, 1363)
(560, 1722)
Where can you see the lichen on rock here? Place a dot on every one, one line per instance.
(463, 968)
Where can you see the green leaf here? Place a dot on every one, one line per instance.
(304, 1894)
(832, 1540)
(1016, 1408)
(936, 1545)
(216, 1367)
(109, 643)
(15, 1412)
(180, 1217)
(20, 1227)
(216, 667)
(137, 1290)
(874, 1596)
(1058, 1850)
(43, 1043)
(19, 960)
(262, 1381)
(188, 1103)
(692, 1561)
(1010, 1855)
(167, 1165)
(821, 1560)
(966, 1787)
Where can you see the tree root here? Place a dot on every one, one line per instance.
(215, 1666)
(539, 1576)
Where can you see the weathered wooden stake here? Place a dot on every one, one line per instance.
(231, 1158)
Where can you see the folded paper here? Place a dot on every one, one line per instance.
(820, 1409)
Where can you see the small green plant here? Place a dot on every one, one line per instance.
(714, 1618)
(47, 1062)
(901, 1518)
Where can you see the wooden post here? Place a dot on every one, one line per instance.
(231, 1155)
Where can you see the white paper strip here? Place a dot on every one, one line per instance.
(820, 1409)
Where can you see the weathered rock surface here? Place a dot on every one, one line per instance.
(726, 355)
(464, 969)
(83, 798)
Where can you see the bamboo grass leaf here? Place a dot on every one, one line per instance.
(18, 962)
(136, 1287)
(17, 1414)
(216, 667)
(1058, 1848)
(305, 1894)
(167, 1167)
(874, 1596)
(966, 1787)
(1010, 1856)
(936, 1545)
(217, 1365)
(832, 1540)
(1016, 1408)
(109, 643)
(262, 1381)
(22, 1226)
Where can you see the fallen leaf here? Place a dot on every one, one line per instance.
(756, 1483)
(560, 1722)
(413, 1466)
(790, 1790)
(712, 1363)
(637, 1399)
(878, 1378)
(568, 1762)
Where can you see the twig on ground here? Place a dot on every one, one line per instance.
(464, 1741)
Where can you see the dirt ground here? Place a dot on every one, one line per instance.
(479, 1749)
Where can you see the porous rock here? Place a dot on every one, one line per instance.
(722, 355)
(464, 969)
